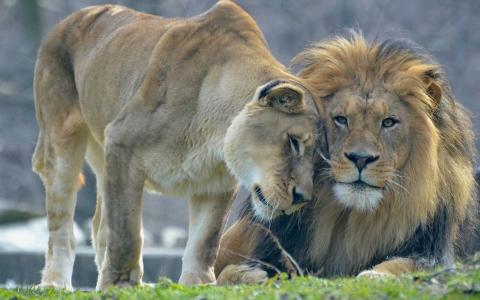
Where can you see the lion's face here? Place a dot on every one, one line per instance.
(379, 104)
(370, 141)
(269, 149)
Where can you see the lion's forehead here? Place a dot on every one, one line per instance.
(375, 103)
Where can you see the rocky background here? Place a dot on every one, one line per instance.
(448, 29)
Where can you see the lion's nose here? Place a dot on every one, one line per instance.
(299, 196)
(361, 160)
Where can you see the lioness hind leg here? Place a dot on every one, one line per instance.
(58, 160)
(242, 274)
(207, 217)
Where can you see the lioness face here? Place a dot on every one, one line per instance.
(269, 148)
(369, 143)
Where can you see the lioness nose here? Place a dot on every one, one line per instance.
(298, 196)
(361, 161)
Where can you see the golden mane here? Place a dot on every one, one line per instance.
(341, 62)
(427, 218)
(439, 172)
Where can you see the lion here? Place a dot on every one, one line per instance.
(394, 186)
(185, 107)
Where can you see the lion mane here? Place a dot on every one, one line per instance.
(427, 222)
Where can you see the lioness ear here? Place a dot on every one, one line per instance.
(281, 95)
(433, 90)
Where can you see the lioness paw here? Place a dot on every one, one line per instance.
(55, 285)
(55, 280)
(196, 278)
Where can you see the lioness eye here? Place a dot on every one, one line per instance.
(295, 144)
(341, 121)
(389, 122)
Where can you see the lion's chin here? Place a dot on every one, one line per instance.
(364, 198)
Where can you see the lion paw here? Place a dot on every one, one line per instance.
(242, 274)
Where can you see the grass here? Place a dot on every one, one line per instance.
(460, 283)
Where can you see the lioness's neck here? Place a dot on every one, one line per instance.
(235, 87)
(243, 64)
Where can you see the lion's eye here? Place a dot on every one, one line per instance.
(389, 122)
(295, 145)
(341, 121)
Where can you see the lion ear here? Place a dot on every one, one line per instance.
(284, 96)
(433, 90)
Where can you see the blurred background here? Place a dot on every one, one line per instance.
(450, 30)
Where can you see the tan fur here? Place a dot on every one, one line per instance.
(424, 164)
(395, 266)
(240, 247)
(180, 106)
(242, 274)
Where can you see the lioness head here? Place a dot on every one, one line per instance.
(380, 103)
(269, 147)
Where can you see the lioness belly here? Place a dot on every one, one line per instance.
(189, 174)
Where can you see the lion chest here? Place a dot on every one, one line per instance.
(196, 172)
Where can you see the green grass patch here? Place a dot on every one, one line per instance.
(460, 283)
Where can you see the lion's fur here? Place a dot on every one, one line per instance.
(149, 102)
(430, 217)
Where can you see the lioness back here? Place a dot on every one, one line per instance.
(110, 50)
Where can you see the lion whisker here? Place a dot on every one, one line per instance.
(325, 172)
(399, 185)
(395, 174)
(328, 161)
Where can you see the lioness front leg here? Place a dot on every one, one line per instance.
(207, 217)
(124, 182)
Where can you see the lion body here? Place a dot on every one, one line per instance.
(149, 102)
(422, 220)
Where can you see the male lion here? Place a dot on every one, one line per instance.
(172, 105)
(394, 186)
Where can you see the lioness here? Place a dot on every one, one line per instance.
(180, 106)
(394, 186)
